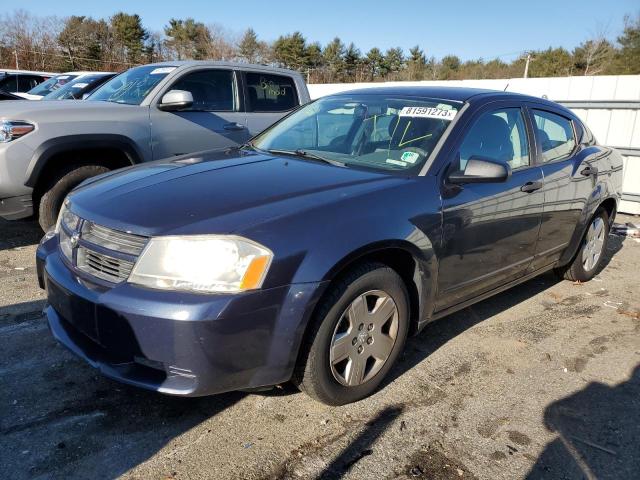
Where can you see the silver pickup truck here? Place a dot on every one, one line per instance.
(146, 113)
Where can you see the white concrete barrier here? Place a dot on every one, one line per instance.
(608, 104)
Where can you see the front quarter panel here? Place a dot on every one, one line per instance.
(318, 244)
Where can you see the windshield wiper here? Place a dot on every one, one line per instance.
(241, 146)
(304, 154)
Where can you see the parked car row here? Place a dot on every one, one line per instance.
(252, 253)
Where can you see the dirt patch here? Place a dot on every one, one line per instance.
(434, 464)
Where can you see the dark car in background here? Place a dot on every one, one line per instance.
(9, 96)
(14, 81)
(80, 87)
(310, 253)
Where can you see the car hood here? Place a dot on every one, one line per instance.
(217, 192)
(20, 110)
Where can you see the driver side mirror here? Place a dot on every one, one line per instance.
(481, 170)
(176, 100)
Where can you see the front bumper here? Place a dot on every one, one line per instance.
(176, 343)
(14, 208)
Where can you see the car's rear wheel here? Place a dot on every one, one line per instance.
(59, 187)
(360, 329)
(590, 256)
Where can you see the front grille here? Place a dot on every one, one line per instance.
(102, 252)
(113, 239)
(108, 268)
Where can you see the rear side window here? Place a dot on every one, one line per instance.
(270, 93)
(555, 134)
(212, 90)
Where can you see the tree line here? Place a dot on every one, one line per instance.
(121, 41)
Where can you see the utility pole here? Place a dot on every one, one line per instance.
(526, 66)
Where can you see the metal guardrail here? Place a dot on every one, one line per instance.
(601, 104)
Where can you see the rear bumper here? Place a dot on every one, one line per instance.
(14, 208)
(176, 343)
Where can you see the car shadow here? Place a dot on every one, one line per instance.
(597, 433)
(59, 418)
(19, 233)
(436, 334)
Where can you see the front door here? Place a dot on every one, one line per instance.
(490, 229)
(214, 120)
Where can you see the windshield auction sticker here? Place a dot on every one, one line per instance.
(161, 70)
(428, 112)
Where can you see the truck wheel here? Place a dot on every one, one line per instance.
(360, 329)
(65, 181)
(590, 255)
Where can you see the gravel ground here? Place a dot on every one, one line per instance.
(542, 381)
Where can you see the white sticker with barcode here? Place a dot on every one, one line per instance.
(161, 70)
(428, 112)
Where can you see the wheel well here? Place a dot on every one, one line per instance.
(609, 206)
(112, 158)
(403, 263)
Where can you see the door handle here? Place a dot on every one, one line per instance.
(589, 170)
(234, 126)
(531, 186)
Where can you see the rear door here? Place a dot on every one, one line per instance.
(268, 98)
(566, 190)
(215, 120)
(490, 230)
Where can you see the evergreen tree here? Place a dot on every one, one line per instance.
(129, 36)
(249, 47)
(416, 64)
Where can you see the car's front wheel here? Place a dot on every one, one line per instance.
(360, 329)
(592, 249)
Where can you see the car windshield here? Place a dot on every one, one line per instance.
(390, 133)
(72, 88)
(54, 83)
(132, 86)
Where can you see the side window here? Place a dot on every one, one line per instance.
(26, 83)
(270, 93)
(9, 83)
(212, 90)
(501, 136)
(555, 134)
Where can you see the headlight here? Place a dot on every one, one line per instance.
(207, 264)
(66, 217)
(10, 130)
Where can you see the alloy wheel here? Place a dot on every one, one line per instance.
(593, 244)
(364, 338)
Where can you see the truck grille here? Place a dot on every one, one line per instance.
(105, 253)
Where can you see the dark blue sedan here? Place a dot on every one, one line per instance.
(312, 252)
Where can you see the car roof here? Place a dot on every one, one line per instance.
(457, 94)
(9, 71)
(206, 63)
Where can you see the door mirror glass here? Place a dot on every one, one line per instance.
(175, 100)
(481, 170)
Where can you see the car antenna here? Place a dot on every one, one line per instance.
(505, 88)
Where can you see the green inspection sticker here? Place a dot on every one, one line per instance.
(410, 157)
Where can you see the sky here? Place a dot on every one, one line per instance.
(470, 29)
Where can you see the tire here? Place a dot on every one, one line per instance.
(590, 255)
(366, 290)
(55, 193)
